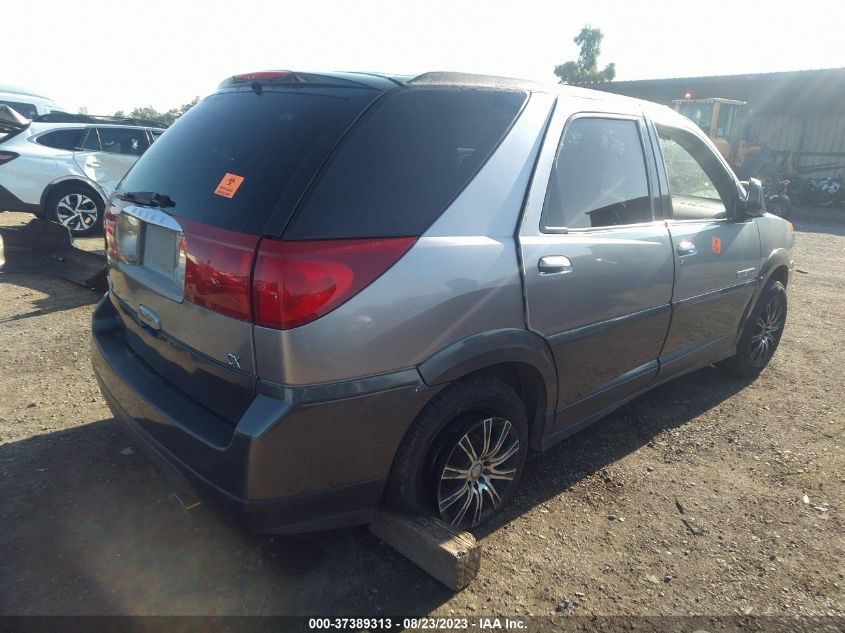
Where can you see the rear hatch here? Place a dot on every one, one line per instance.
(184, 225)
(243, 213)
(11, 122)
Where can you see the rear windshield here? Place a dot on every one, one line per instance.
(27, 110)
(410, 155)
(235, 155)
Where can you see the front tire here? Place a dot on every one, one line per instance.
(463, 456)
(76, 207)
(761, 334)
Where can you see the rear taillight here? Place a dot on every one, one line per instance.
(109, 226)
(217, 266)
(295, 283)
(5, 157)
(127, 237)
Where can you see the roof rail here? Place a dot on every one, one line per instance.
(438, 78)
(67, 117)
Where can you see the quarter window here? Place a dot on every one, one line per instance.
(62, 139)
(599, 177)
(698, 185)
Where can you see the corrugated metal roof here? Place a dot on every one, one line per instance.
(788, 92)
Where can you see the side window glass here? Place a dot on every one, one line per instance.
(698, 185)
(92, 141)
(128, 141)
(27, 110)
(598, 177)
(62, 139)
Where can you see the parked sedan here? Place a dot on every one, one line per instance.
(331, 292)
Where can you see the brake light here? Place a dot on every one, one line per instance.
(266, 75)
(217, 265)
(295, 283)
(5, 157)
(109, 226)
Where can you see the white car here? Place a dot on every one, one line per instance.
(27, 103)
(63, 167)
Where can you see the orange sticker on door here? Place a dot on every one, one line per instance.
(716, 245)
(229, 185)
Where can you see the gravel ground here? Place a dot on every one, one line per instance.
(708, 495)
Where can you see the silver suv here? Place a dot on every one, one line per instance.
(329, 292)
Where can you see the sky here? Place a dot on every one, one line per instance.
(117, 55)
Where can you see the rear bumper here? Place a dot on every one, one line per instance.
(10, 202)
(300, 458)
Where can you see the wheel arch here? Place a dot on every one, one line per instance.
(776, 267)
(520, 358)
(72, 180)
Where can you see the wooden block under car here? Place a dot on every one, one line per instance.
(449, 555)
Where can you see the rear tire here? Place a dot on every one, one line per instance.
(76, 207)
(463, 456)
(761, 334)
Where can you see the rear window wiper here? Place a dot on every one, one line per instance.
(149, 198)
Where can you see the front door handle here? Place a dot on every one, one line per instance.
(686, 248)
(554, 265)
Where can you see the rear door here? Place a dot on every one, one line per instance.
(597, 262)
(716, 250)
(109, 152)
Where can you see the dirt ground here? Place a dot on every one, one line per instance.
(706, 496)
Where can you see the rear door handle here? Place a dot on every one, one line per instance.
(554, 265)
(686, 248)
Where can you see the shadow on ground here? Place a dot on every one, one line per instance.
(624, 431)
(50, 294)
(86, 529)
(819, 220)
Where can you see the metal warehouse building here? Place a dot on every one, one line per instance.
(801, 111)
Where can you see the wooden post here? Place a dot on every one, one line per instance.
(449, 555)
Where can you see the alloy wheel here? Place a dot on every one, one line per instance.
(767, 330)
(478, 472)
(77, 212)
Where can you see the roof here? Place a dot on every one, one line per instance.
(67, 117)
(790, 92)
(22, 91)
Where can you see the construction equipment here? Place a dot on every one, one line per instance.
(726, 122)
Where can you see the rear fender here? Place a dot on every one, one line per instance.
(75, 180)
(497, 347)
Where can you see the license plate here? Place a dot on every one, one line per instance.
(160, 246)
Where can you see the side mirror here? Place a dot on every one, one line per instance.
(755, 204)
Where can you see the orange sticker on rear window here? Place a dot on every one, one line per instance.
(716, 245)
(229, 185)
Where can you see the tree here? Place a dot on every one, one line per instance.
(167, 118)
(585, 70)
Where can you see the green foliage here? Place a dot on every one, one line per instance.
(585, 70)
(149, 112)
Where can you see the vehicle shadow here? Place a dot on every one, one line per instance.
(51, 294)
(819, 220)
(622, 432)
(87, 529)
